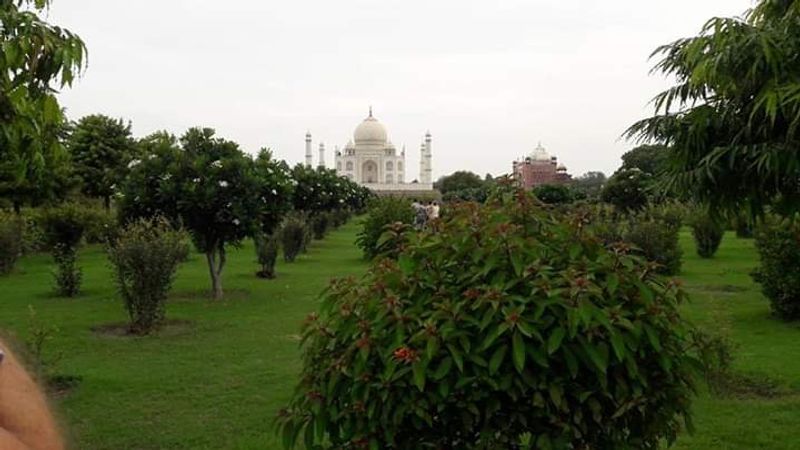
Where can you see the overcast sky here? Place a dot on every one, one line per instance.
(489, 78)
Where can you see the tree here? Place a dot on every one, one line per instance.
(277, 188)
(207, 184)
(458, 181)
(37, 59)
(554, 194)
(627, 189)
(733, 117)
(590, 184)
(101, 149)
(650, 159)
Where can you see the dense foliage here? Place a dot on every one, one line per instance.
(707, 231)
(732, 116)
(101, 149)
(37, 59)
(504, 325)
(208, 185)
(381, 213)
(12, 229)
(554, 194)
(294, 233)
(627, 189)
(657, 240)
(459, 181)
(778, 244)
(590, 184)
(145, 258)
(63, 228)
(650, 159)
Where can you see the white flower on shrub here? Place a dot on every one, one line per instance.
(217, 163)
(274, 192)
(236, 222)
(196, 180)
(134, 163)
(223, 184)
(166, 177)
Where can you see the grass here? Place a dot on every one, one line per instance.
(218, 381)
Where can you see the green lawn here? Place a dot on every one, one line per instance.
(218, 382)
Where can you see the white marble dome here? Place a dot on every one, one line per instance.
(370, 132)
(540, 154)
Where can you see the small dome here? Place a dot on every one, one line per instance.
(370, 131)
(562, 168)
(540, 154)
(389, 144)
(350, 145)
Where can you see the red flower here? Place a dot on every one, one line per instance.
(406, 355)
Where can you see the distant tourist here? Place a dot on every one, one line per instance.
(433, 211)
(420, 215)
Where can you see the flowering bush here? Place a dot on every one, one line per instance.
(293, 236)
(382, 212)
(505, 325)
(145, 257)
(210, 187)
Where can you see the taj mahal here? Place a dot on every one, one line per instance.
(371, 160)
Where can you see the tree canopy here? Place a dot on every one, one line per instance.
(647, 158)
(101, 149)
(37, 59)
(458, 181)
(733, 117)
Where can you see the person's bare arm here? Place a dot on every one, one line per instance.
(25, 420)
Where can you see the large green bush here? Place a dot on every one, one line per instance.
(657, 241)
(320, 222)
(267, 246)
(145, 257)
(778, 244)
(707, 231)
(504, 325)
(381, 213)
(11, 240)
(63, 228)
(293, 237)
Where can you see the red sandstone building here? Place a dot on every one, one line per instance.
(540, 168)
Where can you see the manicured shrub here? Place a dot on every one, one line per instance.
(101, 225)
(145, 258)
(11, 241)
(293, 237)
(778, 245)
(63, 229)
(743, 226)
(267, 246)
(657, 241)
(627, 189)
(506, 324)
(707, 232)
(382, 212)
(319, 225)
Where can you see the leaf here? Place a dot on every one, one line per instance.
(618, 344)
(497, 359)
(443, 369)
(554, 341)
(457, 357)
(518, 347)
(597, 357)
(612, 282)
(419, 375)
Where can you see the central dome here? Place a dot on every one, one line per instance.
(370, 132)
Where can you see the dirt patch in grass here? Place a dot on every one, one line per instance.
(170, 327)
(739, 385)
(60, 386)
(723, 288)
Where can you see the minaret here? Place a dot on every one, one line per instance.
(422, 163)
(322, 155)
(309, 155)
(427, 164)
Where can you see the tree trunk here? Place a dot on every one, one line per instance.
(107, 202)
(216, 262)
(17, 207)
